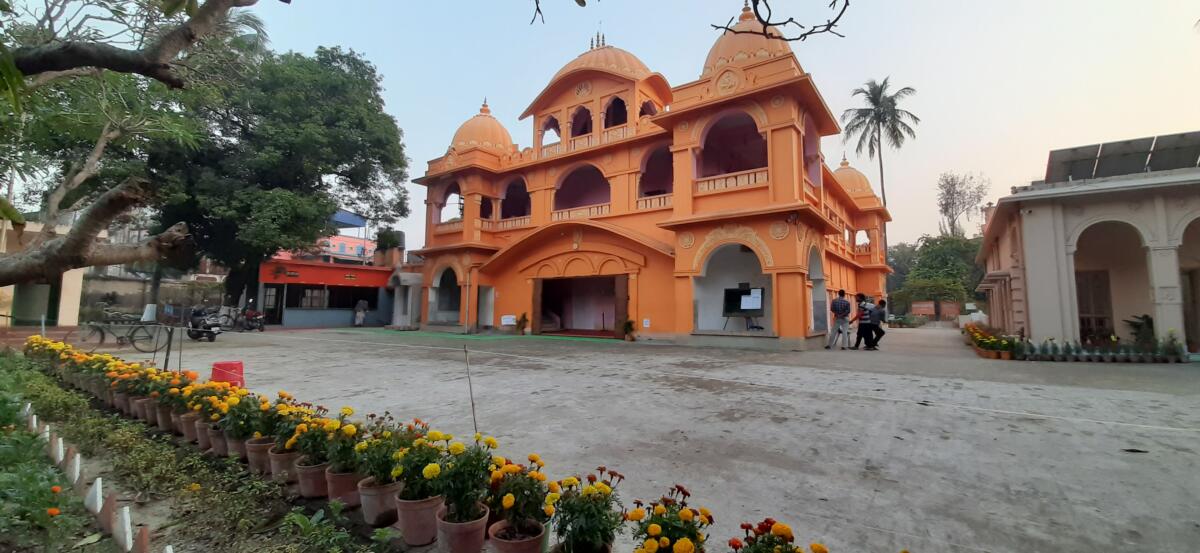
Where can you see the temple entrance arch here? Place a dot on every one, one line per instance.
(732, 294)
(445, 297)
(1112, 280)
(818, 298)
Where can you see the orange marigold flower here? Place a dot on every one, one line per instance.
(55, 489)
(53, 511)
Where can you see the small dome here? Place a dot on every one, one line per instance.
(483, 131)
(737, 48)
(853, 181)
(609, 59)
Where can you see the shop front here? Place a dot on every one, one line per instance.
(306, 294)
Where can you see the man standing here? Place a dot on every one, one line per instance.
(841, 320)
(863, 316)
(875, 325)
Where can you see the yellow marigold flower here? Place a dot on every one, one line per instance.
(397, 471)
(603, 488)
(215, 417)
(684, 545)
(349, 430)
(654, 530)
(782, 530)
(650, 545)
(290, 443)
(508, 501)
(431, 471)
(570, 481)
(534, 458)
(686, 515)
(257, 434)
(589, 490)
(497, 476)
(346, 411)
(360, 447)
(478, 437)
(659, 510)
(499, 461)
(301, 428)
(173, 391)
(549, 510)
(387, 434)
(435, 436)
(457, 448)
(552, 498)
(491, 442)
(194, 487)
(664, 541)
(419, 442)
(636, 515)
(554, 487)
(705, 512)
(399, 454)
(233, 401)
(819, 548)
(537, 476)
(511, 469)
(700, 537)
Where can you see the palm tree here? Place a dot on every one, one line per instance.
(881, 119)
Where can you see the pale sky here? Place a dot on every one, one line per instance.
(999, 84)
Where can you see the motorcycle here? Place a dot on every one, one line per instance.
(204, 323)
(254, 320)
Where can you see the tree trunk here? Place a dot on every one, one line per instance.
(156, 283)
(883, 193)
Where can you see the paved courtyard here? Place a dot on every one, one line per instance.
(920, 446)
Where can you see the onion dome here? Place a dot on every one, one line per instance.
(483, 131)
(610, 59)
(852, 180)
(737, 48)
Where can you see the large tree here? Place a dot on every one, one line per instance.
(958, 196)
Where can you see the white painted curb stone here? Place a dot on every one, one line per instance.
(57, 452)
(94, 500)
(123, 530)
(168, 549)
(33, 424)
(74, 469)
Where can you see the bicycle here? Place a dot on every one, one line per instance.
(144, 337)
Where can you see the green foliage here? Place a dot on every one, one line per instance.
(901, 258)
(1143, 332)
(412, 464)
(942, 268)
(319, 533)
(388, 238)
(528, 504)
(464, 482)
(585, 523)
(881, 120)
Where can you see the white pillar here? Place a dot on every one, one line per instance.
(1166, 289)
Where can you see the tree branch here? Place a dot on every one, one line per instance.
(87, 170)
(153, 61)
(758, 7)
(78, 248)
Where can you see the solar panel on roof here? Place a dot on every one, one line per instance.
(1072, 163)
(1176, 151)
(1126, 157)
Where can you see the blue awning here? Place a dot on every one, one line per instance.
(345, 219)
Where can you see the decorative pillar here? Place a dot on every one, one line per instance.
(1166, 290)
(683, 165)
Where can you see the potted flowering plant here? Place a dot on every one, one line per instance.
(770, 536)
(589, 522)
(239, 420)
(671, 523)
(264, 426)
(311, 440)
(283, 454)
(341, 476)
(462, 521)
(420, 497)
(376, 459)
(208, 400)
(525, 503)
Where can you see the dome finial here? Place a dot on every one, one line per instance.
(747, 13)
(844, 162)
(592, 43)
(484, 109)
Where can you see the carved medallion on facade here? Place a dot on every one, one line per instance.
(777, 101)
(779, 230)
(686, 240)
(727, 82)
(584, 88)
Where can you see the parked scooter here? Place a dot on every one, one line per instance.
(204, 323)
(254, 320)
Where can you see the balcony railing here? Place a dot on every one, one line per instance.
(581, 142)
(863, 249)
(614, 133)
(732, 180)
(652, 202)
(552, 149)
(512, 222)
(452, 226)
(584, 212)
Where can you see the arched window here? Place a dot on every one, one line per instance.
(581, 122)
(452, 205)
(516, 200)
(584, 186)
(551, 133)
(616, 114)
(485, 208)
(732, 144)
(861, 238)
(648, 108)
(658, 175)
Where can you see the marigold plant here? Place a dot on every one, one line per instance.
(418, 467)
(382, 440)
(522, 496)
(463, 477)
(587, 517)
(671, 523)
(342, 435)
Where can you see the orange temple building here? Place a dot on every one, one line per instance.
(694, 211)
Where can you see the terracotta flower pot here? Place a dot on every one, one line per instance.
(216, 441)
(499, 530)
(201, 428)
(256, 454)
(176, 425)
(1006, 355)
(462, 537)
(236, 446)
(378, 502)
(121, 401)
(343, 486)
(162, 417)
(187, 423)
(417, 519)
(283, 465)
(312, 479)
(144, 408)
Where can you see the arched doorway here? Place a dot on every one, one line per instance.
(658, 173)
(516, 200)
(584, 186)
(1112, 282)
(732, 294)
(581, 122)
(1189, 268)
(452, 205)
(616, 114)
(446, 298)
(819, 298)
(732, 144)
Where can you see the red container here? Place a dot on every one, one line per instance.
(228, 371)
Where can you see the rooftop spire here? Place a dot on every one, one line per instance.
(484, 109)
(746, 12)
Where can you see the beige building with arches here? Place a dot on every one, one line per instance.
(1113, 233)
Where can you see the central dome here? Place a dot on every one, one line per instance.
(609, 59)
(483, 131)
(746, 44)
(853, 181)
